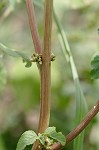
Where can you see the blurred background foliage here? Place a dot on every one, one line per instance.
(19, 86)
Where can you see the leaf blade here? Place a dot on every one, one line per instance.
(53, 134)
(49, 130)
(58, 136)
(27, 138)
(95, 67)
(14, 53)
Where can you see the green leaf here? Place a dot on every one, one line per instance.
(28, 62)
(14, 53)
(94, 74)
(49, 130)
(58, 136)
(27, 138)
(41, 139)
(81, 110)
(95, 62)
(95, 67)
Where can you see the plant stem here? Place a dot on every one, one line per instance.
(33, 26)
(46, 69)
(73, 134)
(45, 72)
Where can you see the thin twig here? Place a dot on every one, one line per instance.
(73, 134)
(33, 26)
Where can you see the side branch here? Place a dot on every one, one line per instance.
(33, 26)
(73, 134)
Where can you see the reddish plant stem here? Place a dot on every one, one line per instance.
(45, 72)
(73, 134)
(46, 69)
(33, 26)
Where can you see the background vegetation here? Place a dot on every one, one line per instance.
(19, 86)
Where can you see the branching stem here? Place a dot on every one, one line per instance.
(73, 134)
(45, 73)
(45, 68)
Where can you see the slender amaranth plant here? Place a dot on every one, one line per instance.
(48, 15)
(43, 58)
(45, 68)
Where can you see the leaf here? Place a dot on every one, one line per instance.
(49, 130)
(14, 53)
(57, 136)
(95, 67)
(94, 73)
(81, 110)
(27, 138)
(95, 62)
(41, 139)
(28, 62)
